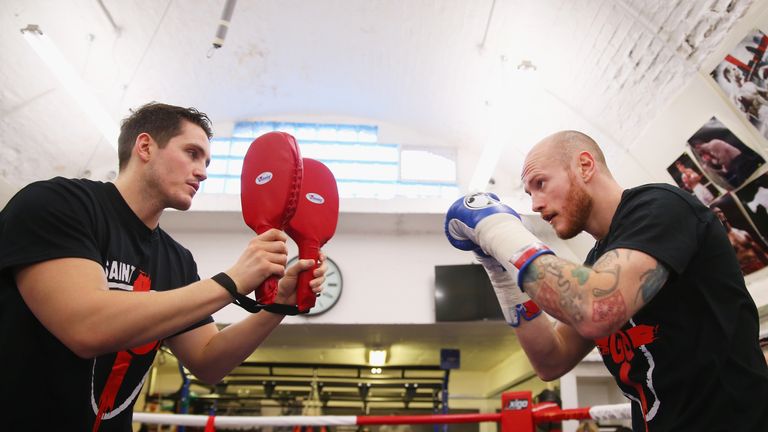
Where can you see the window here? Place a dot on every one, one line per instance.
(363, 167)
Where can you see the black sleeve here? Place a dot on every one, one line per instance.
(45, 221)
(661, 224)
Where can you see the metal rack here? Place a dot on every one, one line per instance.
(329, 388)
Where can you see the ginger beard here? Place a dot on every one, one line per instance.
(578, 206)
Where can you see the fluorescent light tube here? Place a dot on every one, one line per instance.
(72, 82)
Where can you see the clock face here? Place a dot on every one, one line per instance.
(331, 288)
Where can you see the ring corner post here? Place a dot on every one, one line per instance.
(516, 412)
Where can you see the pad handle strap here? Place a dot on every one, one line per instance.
(248, 303)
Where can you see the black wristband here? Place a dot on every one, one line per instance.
(244, 302)
(282, 309)
(248, 303)
(224, 280)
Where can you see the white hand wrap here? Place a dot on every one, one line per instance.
(504, 237)
(514, 303)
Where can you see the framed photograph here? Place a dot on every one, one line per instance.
(743, 77)
(754, 199)
(751, 250)
(689, 177)
(725, 159)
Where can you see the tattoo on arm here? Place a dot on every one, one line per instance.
(558, 286)
(581, 274)
(547, 281)
(610, 309)
(575, 293)
(651, 282)
(608, 265)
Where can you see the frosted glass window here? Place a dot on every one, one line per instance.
(362, 171)
(346, 134)
(260, 129)
(327, 134)
(235, 167)
(244, 130)
(306, 132)
(232, 186)
(368, 134)
(219, 147)
(352, 152)
(367, 190)
(217, 166)
(427, 165)
(363, 167)
(240, 147)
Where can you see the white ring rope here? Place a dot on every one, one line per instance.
(611, 412)
(243, 421)
(597, 412)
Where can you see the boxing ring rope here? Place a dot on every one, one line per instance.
(518, 414)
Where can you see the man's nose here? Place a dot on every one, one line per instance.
(537, 204)
(200, 172)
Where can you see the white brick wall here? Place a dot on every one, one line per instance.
(626, 59)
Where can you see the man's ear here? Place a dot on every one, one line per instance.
(144, 146)
(586, 166)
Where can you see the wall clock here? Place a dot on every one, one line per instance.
(331, 288)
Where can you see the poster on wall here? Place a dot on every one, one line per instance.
(725, 159)
(754, 199)
(743, 76)
(689, 177)
(751, 250)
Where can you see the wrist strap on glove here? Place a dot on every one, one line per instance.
(525, 257)
(525, 311)
(248, 303)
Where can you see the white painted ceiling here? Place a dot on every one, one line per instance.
(446, 69)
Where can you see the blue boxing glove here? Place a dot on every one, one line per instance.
(480, 220)
(464, 215)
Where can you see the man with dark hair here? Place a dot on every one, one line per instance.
(660, 294)
(162, 121)
(91, 286)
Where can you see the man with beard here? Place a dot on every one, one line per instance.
(660, 294)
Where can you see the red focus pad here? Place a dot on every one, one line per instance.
(314, 222)
(269, 190)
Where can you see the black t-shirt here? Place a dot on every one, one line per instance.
(689, 359)
(45, 386)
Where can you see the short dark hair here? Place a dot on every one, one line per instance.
(161, 121)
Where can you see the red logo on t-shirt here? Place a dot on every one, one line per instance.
(143, 283)
(620, 349)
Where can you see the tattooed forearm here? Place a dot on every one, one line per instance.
(552, 283)
(651, 282)
(599, 299)
(572, 292)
